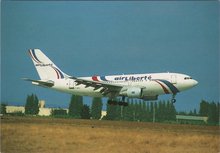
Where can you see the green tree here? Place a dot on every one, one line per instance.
(128, 111)
(190, 112)
(58, 112)
(119, 112)
(132, 105)
(31, 106)
(211, 110)
(85, 112)
(148, 115)
(218, 113)
(139, 110)
(151, 111)
(75, 106)
(164, 111)
(136, 113)
(195, 112)
(3, 108)
(143, 113)
(172, 112)
(204, 108)
(213, 113)
(36, 105)
(156, 111)
(96, 109)
(111, 112)
(28, 105)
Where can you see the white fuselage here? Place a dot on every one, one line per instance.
(152, 83)
(142, 86)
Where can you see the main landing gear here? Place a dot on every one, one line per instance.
(173, 100)
(120, 103)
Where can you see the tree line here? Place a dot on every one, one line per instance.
(142, 111)
(206, 109)
(79, 110)
(211, 110)
(137, 110)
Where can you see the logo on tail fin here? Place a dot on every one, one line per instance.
(58, 72)
(45, 67)
(33, 56)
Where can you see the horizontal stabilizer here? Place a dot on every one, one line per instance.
(48, 83)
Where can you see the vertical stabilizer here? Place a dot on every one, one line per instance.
(45, 67)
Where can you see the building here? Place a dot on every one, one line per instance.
(15, 109)
(45, 111)
(104, 113)
(191, 119)
(41, 104)
(21, 109)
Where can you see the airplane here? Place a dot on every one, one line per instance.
(142, 86)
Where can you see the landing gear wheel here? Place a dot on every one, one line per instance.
(125, 104)
(111, 102)
(121, 103)
(173, 100)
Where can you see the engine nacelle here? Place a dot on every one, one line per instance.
(134, 92)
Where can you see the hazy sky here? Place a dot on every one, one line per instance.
(86, 38)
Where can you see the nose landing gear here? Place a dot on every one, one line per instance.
(173, 100)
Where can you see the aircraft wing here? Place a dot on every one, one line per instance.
(106, 88)
(48, 83)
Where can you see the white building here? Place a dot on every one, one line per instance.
(45, 111)
(18, 109)
(183, 118)
(14, 109)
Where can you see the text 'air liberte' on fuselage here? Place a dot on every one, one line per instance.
(143, 86)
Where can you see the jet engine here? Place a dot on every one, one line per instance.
(134, 92)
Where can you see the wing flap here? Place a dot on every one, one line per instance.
(106, 88)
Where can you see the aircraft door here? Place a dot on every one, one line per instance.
(173, 79)
(129, 83)
(71, 84)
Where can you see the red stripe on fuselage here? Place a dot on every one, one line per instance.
(164, 88)
(94, 78)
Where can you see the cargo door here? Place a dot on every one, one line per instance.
(173, 79)
(71, 84)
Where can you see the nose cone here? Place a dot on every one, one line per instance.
(194, 82)
(187, 84)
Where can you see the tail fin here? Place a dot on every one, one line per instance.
(45, 67)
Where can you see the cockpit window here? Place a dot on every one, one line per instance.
(187, 78)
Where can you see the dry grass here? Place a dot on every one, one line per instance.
(45, 135)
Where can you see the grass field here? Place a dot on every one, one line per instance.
(50, 135)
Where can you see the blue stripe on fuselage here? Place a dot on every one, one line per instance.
(171, 86)
(103, 78)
